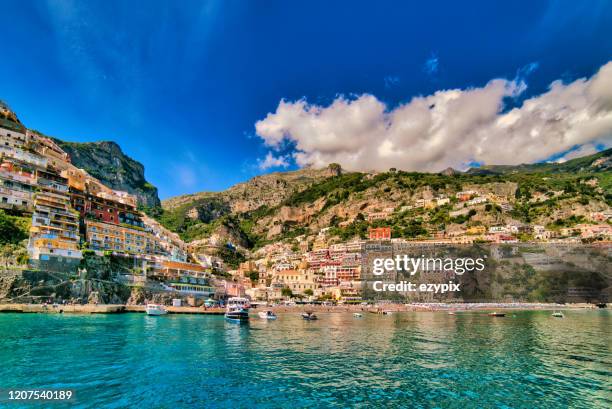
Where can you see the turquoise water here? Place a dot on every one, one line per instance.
(406, 360)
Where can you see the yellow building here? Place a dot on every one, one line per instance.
(296, 280)
(475, 230)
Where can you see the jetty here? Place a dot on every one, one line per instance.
(101, 309)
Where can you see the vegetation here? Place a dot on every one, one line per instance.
(542, 190)
(13, 228)
(230, 256)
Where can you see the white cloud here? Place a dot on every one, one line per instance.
(270, 161)
(449, 128)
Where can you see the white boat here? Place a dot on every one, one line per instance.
(357, 315)
(267, 315)
(237, 309)
(558, 314)
(155, 309)
(309, 316)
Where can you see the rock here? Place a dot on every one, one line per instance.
(107, 162)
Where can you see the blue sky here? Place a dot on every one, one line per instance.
(181, 85)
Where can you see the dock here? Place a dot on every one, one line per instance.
(100, 309)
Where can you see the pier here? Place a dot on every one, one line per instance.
(101, 309)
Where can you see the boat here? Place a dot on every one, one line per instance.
(387, 313)
(357, 315)
(155, 309)
(267, 315)
(237, 310)
(309, 316)
(558, 314)
(451, 313)
(497, 314)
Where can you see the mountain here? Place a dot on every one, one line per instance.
(284, 205)
(202, 214)
(107, 162)
(596, 162)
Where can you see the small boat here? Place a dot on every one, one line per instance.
(497, 314)
(155, 309)
(237, 310)
(451, 313)
(558, 314)
(267, 315)
(387, 313)
(357, 315)
(309, 316)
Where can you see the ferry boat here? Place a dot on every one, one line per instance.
(237, 310)
(267, 315)
(155, 309)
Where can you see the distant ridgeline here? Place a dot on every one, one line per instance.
(535, 272)
(531, 202)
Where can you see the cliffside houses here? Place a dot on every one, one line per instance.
(54, 235)
(72, 210)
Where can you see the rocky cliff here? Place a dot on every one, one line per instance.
(107, 162)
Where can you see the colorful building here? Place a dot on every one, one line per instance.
(54, 235)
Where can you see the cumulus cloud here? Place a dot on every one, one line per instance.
(271, 161)
(452, 127)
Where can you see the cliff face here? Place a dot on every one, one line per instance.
(107, 162)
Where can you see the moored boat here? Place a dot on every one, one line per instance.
(357, 315)
(155, 309)
(558, 314)
(309, 316)
(497, 314)
(237, 310)
(267, 315)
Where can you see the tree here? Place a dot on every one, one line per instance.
(286, 292)
(308, 292)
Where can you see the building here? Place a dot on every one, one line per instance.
(17, 184)
(104, 236)
(296, 280)
(379, 233)
(185, 278)
(54, 235)
(475, 230)
(465, 195)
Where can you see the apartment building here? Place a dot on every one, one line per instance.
(54, 235)
(17, 184)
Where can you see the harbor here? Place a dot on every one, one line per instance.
(292, 308)
(101, 309)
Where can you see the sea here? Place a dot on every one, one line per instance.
(527, 359)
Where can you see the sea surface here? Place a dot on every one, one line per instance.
(406, 360)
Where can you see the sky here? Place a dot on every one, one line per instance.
(207, 94)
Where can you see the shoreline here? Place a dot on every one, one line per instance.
(420, 307)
